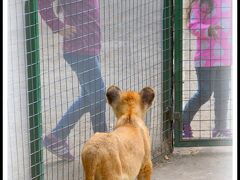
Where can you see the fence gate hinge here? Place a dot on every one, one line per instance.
(169, 113)
(177, 116)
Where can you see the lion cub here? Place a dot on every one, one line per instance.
(125, 153)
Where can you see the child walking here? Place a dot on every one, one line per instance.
(210, 22)
(81, 47)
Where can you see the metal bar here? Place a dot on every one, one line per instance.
(34, 89)
(167, 71)
(203, 142)
(178, 67)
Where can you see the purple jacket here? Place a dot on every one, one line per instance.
(84, 15)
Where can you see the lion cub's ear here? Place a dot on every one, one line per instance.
(113, 94)
(147, 95)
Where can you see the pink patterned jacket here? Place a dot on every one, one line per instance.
(212, 52)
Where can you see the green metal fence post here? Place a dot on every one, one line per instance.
(167, 71)
(178, 68)
(34, 88)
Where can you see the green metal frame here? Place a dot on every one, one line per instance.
(167, 74)
(34, 89)
(178, 140)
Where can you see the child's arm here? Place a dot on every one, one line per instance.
(48, 15)
(197, 27)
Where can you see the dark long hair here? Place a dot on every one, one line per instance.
(202, 2)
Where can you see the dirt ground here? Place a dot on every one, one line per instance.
(211, 163)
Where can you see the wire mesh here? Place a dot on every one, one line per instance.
(109, 42)
(206, 70)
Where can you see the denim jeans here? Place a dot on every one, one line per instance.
(92, 98)
(210, 80)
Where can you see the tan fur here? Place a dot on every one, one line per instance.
(125, 153)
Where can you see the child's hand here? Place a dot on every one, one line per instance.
(68, 31)
(213, 31)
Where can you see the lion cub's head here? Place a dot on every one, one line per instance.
(130, 102)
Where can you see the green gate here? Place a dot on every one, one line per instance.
(182, 50)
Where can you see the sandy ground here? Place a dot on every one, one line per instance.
(212, 163)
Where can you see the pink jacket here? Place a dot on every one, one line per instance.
(211, 52)
(84, 15)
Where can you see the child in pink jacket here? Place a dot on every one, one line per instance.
(210, 22)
